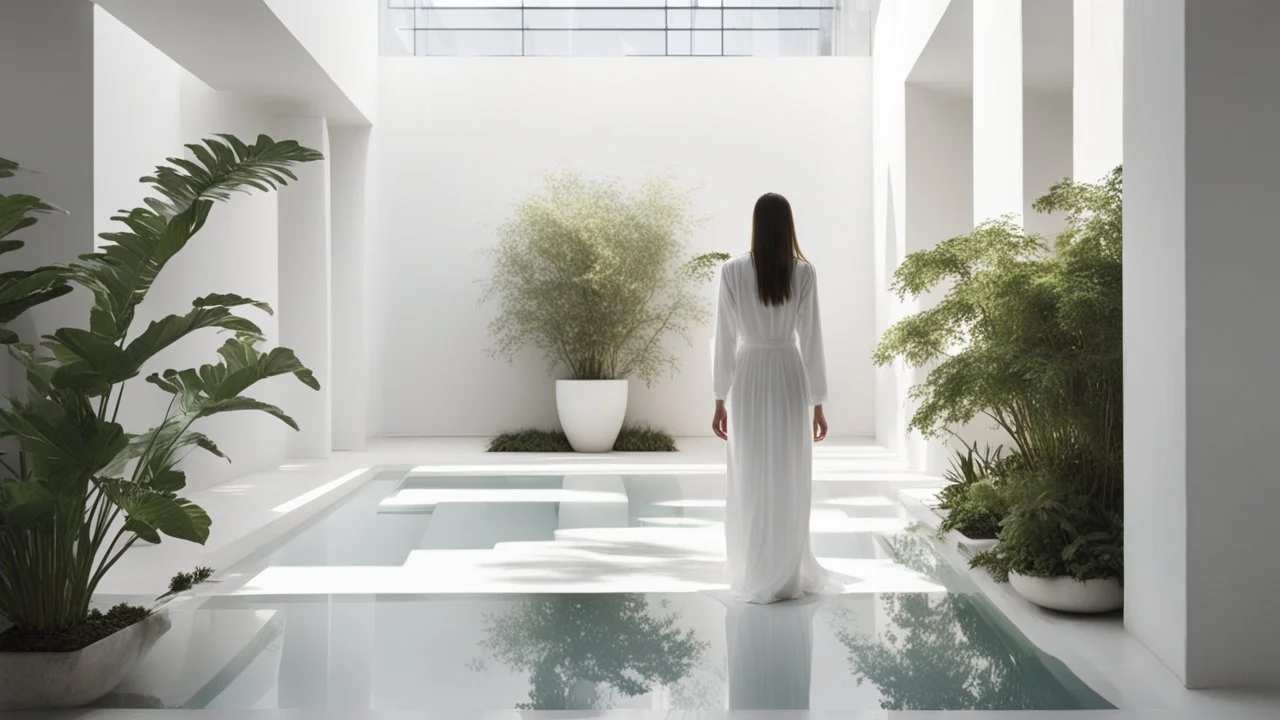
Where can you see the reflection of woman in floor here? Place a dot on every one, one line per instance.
(770, 655)
(769, 366)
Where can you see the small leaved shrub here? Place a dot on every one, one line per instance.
(1054, 530)
(974, 499)
(631, 439)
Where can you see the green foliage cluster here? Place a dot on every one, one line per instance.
(594, 276)
(631, 439)
(82, 489)
(1028, 336)
(575, 646)
(975, 500)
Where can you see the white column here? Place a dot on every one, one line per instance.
(47, 125)
(997, 109)
(305, 287)
(349, 147)
(1201, 105)
(1098, 92)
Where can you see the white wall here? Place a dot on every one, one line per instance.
(1098, 87)
(146, 107)
(460, 140)
(1201, 106)
(46, 125)
(1047, 153)
(997, 109)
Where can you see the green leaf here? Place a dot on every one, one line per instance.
(230, 300)
(95, 362)
(168, 481)
(142, 530)
(173, 516)
(217, 388)
(237, 404)
(166, 331)
(66, 444)
(26, 504)
(122, 273)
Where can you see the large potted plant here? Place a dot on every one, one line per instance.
(596, 276)
(1028, 336)
(82, 489)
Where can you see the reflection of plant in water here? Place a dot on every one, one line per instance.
(703, 689)
(942, 653)
(572, 645)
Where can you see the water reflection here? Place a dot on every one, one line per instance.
(581, 650)
(946, 652)
(770, 654)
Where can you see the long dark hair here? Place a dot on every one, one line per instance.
(774, 248)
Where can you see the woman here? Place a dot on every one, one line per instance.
(768, 302)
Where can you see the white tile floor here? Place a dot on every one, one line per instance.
(675, 551)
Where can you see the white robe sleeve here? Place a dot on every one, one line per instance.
(726, 341)
(810, 331)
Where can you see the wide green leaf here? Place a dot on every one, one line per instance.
(173, 516)
(91, 363)
(166, 331)
(211, 389)
(65, 445)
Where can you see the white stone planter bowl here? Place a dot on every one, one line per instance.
(36, 681)
(591, 412)
(1069, 595)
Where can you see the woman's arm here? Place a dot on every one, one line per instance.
(726, 340)
(811, 350)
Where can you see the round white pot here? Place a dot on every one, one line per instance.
(37, 681)
(1070, 595)
(591, 412)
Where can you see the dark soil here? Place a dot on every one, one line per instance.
(95, 627)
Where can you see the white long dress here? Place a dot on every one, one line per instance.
(770, 368)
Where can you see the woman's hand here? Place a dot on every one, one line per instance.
(819, 424)
(720, 421)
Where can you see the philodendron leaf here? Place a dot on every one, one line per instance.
(26, 504)
(230, 300)
(64, 449)
(95, 362)
(173, 516)
(210, 389)
(238, 404)
(166, 331)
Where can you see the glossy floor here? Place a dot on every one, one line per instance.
(459, 593)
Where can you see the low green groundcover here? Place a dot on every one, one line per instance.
(631, 439)
(95, 627)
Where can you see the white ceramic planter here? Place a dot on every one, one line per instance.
(1070, 595)
(591, 412)
(969, 545)
(36, 681)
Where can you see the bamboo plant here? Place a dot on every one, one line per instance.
(594, 276)
(82, 489)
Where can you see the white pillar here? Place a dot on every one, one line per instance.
(1098, 92)
(1201, 107)
(349, 147)
(46, 124)
(305, 287)
(997, 109)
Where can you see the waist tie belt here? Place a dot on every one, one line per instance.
(770, 346)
